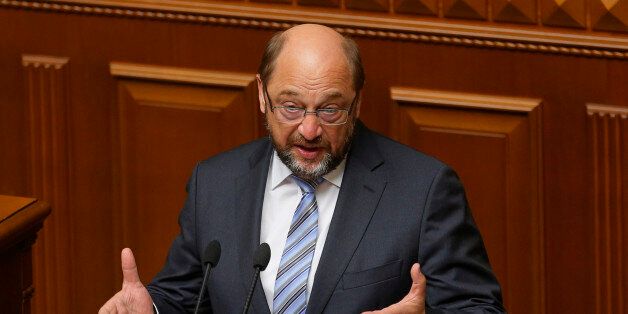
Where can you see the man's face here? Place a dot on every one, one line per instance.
(309, 149)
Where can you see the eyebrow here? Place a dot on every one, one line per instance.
(288, 92)
(327, 97)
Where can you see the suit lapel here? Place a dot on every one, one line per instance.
(359, 195)
(248, 214)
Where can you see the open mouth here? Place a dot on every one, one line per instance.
(308, 152)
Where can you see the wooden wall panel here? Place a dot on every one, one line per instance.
(494, 145)
(167, 119)
(609, 131)
(47, 97)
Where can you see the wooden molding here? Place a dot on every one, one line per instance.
(463, 132)
(180, 75)
(44, 61)
(604, 110)
(365, 25)
(11, 204)
(463, 100)
(607, 146)
(22, 219)
(23, 215)
(167, 95)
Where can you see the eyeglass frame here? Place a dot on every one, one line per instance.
(306, 112)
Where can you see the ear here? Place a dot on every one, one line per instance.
(260, 94)
(357, 106)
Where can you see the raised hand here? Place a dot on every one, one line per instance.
(133, 298)
(414, 301)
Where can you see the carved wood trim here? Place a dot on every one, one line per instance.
(463, 100)
(180, 75)
(364, 25)
(47, 109)
(37, 61)
(27, 294)
(603, 110)
(463, 132)
(165, 95)
(607, 126)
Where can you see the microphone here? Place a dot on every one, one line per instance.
(260, 261)
(210, 257)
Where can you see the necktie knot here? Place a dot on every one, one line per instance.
(307, 186)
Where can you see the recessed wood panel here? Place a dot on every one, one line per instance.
(273, 1)
(514, 11)
(465, 9)
(609, 15)
(565, 13)
(492, 143)
(423, 7)
(608, 126)
(47, 109)
(370, 5)
(320, 3)
(163, 128)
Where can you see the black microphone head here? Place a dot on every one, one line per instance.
(262, 256)
(212, 253)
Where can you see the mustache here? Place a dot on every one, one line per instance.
(299, 140)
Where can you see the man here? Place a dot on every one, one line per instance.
(367, 208)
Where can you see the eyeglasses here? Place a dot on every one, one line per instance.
(295, 115)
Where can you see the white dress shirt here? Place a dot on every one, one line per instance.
(281, 198)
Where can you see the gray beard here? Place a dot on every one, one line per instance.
(326, 165)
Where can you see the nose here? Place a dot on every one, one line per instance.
(310, 128)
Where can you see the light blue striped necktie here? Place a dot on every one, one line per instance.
(294, 268)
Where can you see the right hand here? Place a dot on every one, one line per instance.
(414, 301)
(133, 298)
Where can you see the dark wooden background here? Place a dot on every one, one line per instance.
(105, 106)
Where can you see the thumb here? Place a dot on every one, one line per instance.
(415, 273)
(129, 269)
(417, 291)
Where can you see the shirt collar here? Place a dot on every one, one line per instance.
(279, 172)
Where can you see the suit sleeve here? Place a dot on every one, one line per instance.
(175, 288)
(452, 254)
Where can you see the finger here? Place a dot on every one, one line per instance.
(129, 268)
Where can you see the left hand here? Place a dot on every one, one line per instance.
(414, 301)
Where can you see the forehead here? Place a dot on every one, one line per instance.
(313, 67)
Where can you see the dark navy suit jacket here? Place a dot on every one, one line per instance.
(396, 206)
